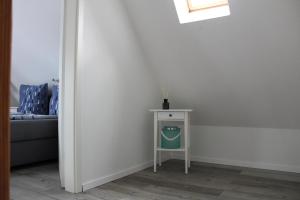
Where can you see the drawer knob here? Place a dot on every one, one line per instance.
(170, 115)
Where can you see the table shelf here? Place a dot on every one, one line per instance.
(170, 120)
(162, 149)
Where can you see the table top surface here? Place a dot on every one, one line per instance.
(171, 110)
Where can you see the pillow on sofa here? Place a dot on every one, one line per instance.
(34, 99)
(22, 93)
(53, 105)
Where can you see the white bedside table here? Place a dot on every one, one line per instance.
(179, 115)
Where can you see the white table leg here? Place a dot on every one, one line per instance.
(159, 143)
(186, 141)
(189, 162)
(159, 158)
(189, 139)
(155, 142)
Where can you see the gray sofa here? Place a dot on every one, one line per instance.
(33, 140)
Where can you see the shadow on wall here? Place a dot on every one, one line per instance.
(14, 95)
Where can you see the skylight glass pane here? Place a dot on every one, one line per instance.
(198, 10)
(205, 4)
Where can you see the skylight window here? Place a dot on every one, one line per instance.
(195, 5)
(197, 10)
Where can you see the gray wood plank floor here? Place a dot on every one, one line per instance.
(204, 182)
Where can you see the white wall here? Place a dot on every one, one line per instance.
(276, 149)
(238, 71)
(35, 48)
(115, 89)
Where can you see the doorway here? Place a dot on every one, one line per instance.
(34, 118)
(69, 168)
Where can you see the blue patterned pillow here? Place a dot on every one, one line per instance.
(34, 99)
(53, 105)
(22, 93)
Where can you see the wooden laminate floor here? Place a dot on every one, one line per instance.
(204, 182)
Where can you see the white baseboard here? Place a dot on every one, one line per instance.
(102, 180)
(240, 163)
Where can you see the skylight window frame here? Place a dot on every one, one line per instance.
(185, 15)
(208, 5)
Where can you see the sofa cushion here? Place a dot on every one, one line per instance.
(34, 99)
(22, 94)
(53, 105)
(21, 116)
(26, 130)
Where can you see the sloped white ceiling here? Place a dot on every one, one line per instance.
(241, 70)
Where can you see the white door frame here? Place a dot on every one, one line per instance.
(69, 146)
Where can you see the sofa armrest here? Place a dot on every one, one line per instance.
(13, 109)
